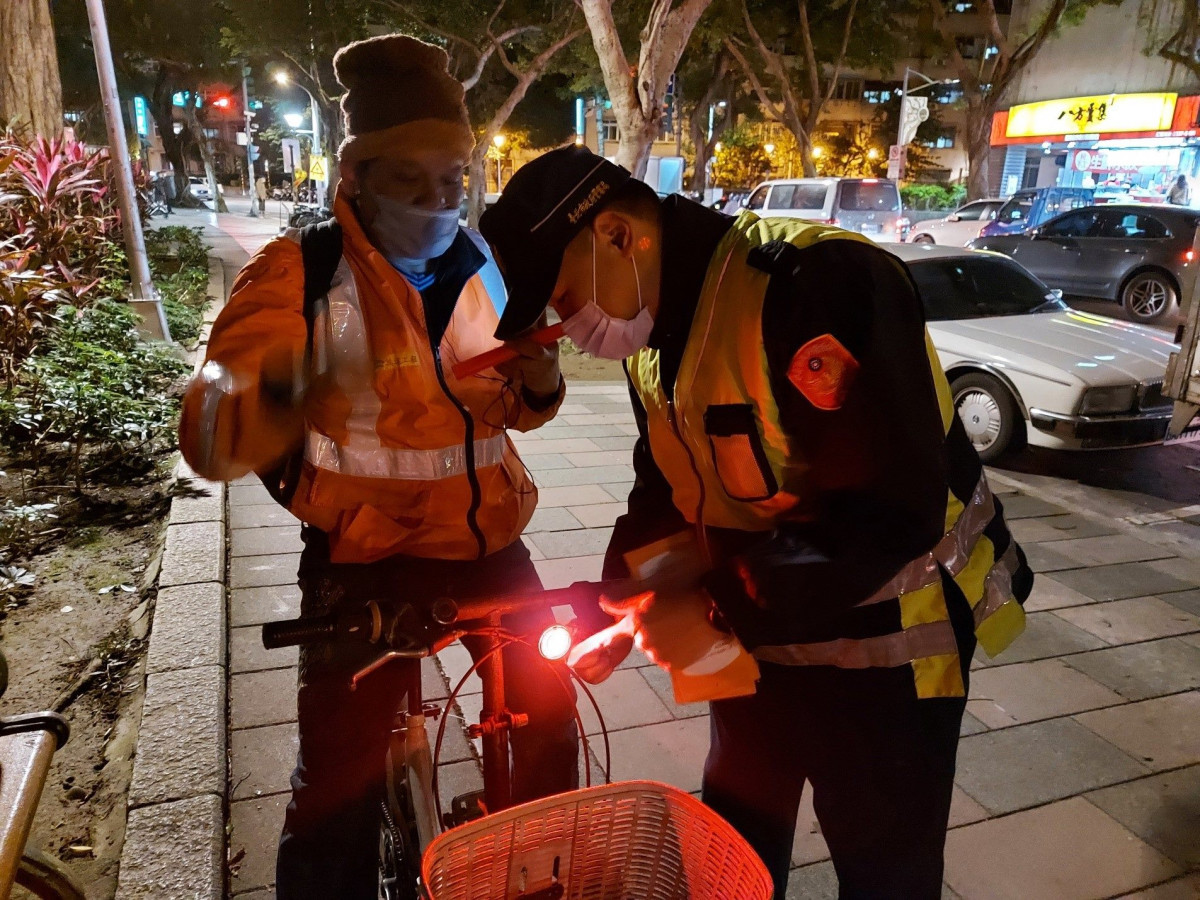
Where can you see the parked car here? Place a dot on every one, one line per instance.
(1031, 207)
(198, 185)
(960, 226)
(870, 206)
(1140, 256)
(1026, 368)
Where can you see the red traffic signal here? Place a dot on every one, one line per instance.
(223, 101)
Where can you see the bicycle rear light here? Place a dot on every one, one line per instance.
(555, 642)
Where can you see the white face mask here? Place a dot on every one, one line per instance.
(405, 233)
(603, 335)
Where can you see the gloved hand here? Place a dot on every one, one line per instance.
(597, 657)
(536, 367)
(675, 632)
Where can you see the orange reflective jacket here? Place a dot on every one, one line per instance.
(399, 456)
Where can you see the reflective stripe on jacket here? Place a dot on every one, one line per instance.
(731, 465)
(399, 456)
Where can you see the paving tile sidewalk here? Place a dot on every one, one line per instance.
(1079, 769)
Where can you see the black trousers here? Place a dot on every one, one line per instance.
(880, 763)
(330, 836)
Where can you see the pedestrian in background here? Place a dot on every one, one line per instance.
(260, 188)
(1181, 192)
(166, 183)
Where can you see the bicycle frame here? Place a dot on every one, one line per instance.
(410, 753)
(27, 745)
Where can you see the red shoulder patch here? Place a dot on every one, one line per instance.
(823, 371)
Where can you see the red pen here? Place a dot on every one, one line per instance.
(492, 358)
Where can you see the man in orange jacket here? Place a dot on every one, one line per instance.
(338, 390)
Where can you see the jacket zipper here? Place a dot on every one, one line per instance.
(700, 529)
(472, 476)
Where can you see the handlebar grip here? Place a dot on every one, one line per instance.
(293, 632)
(492, 358)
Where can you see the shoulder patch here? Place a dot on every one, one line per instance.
(823, 370)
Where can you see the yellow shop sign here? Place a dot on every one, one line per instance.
(1103, 114)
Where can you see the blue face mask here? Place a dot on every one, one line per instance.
(405, 233)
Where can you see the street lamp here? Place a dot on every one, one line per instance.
(818, 152)
(294, 120)
(872, 153)
(770, 148)
(498, 142)
(284, 79)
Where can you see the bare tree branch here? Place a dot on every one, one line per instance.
(756, 85)
(841, 57)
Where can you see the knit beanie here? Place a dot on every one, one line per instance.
(398, 88)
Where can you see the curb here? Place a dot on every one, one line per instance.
(175, 835)
(1179, 537)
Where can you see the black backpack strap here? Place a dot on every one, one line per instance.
(321, 249)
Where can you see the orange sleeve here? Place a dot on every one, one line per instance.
(224, 436)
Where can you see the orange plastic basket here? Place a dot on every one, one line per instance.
(634, 840)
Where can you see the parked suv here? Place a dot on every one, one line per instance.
(1031, 207)
(870, 206)
(1139, 255)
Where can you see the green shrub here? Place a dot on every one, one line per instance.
(184, 298)
(175, 247)
(933, 196)
(94, 392)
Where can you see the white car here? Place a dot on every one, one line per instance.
(198, 185)
(962, 225)
(1026, 368)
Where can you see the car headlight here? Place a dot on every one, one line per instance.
(1108, 400)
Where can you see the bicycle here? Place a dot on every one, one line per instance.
(27, 745)
(416, 863)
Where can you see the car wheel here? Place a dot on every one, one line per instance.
(923, 239)
(988, 412)
(1148, 296)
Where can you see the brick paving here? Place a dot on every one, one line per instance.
(1079, 768)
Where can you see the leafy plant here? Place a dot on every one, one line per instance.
(19, 524)
(95, 391)
(175, 247)
(28, 298)
(932, 196)
(56, 201)
(185, 298)
(741, 161)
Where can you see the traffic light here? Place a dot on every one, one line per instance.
(248, 81)
(223, 101)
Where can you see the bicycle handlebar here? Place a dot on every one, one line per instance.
(381, 620)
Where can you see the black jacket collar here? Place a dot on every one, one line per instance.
(690, 235)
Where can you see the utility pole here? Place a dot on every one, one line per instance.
(251, 191)
(131, 222)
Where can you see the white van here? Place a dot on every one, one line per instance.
(870, 206)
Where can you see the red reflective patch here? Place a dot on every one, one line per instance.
(823, 371)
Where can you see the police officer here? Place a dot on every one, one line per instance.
(793, 416)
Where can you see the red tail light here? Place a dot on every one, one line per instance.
(1189, 255)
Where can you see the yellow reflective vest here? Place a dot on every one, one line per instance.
(719, 442)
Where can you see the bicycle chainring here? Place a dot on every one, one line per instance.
(399, 863)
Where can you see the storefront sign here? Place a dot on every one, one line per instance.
(1105, 114)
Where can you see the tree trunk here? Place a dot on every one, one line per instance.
(476, 184)
(162, 110)
(206, 156)
(30, 90)
(979, 148)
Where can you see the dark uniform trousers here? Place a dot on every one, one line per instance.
(879, 761)
(330, 837)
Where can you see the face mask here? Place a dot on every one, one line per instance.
(404, 232)
(605, 336)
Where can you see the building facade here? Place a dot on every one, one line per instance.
(1100, 107)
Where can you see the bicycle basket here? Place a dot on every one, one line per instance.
(634, 840)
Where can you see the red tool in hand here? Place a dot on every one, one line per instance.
(493, 358)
